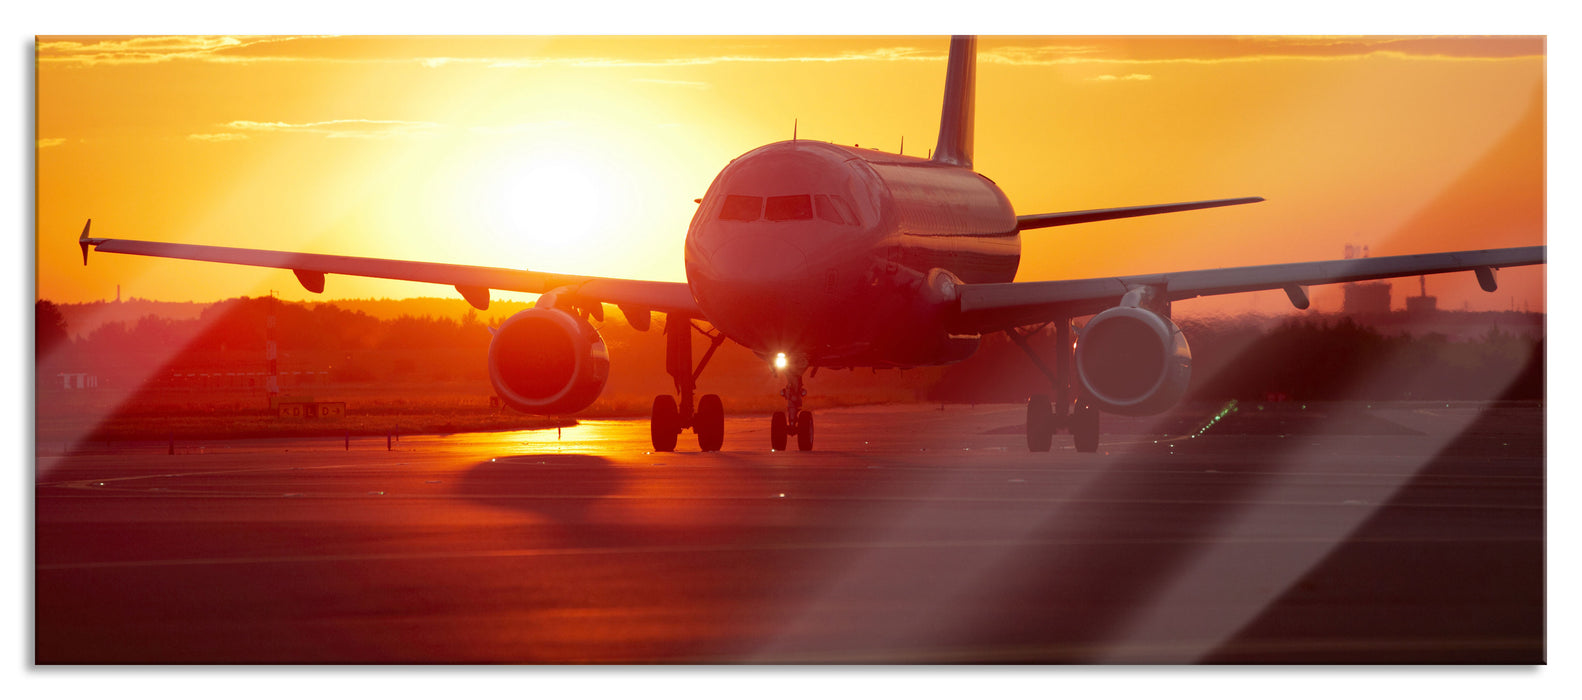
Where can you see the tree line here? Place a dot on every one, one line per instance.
(1302, 358)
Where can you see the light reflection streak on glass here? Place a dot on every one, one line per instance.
(1177, 627)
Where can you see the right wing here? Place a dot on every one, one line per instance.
(993, 307)
(472, 282)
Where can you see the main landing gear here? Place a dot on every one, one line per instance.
(669, 416)
(1045, 418)
(780, 428)
(1043, 421)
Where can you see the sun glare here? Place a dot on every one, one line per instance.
(561, 200)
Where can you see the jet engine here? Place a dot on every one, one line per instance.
(1133, 361)
(547, 361)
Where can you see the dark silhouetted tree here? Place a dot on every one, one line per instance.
(49, 327)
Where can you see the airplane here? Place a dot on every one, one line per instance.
(817, 255)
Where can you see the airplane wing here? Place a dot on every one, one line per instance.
(994, 307)
(474, 283)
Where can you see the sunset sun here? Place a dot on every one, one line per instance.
(556, 198)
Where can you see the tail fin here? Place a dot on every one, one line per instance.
(955, 121)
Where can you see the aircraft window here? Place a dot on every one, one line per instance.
(789, 207)
(741, 208)
(833, 209)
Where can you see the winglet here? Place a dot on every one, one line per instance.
(85, 241)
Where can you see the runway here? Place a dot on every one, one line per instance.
(1336, 533)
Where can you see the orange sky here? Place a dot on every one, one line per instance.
(583, 155)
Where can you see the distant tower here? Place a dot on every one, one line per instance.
(272, 383)
(1422, 305)
(118, 294)
(1364, 298)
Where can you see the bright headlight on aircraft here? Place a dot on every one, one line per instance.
(780, 360)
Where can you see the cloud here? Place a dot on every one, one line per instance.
(228, 136)
(1147, 50)
(502, 52)
(152, 49)
(891, 54)
(47, 143)
(339, 128)
(236, 49)
(1130, 76)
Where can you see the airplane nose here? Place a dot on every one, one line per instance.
(759, 260)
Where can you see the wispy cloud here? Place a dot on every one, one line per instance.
(1036, 52)
(155, 49)
(48, 143)
(890, 54)
(225, 136)
(236, 49)
(1155, 50)
(1130, 76)
(339, 128)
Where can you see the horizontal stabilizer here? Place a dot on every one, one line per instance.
(1066, 218)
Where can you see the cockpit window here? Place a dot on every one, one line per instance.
(833, 209)
(741, 208)
(789, 207)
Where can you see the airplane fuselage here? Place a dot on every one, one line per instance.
(843, 257)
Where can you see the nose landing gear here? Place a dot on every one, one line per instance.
(781, 425)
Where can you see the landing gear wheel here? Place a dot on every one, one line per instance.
(804, 431)
(777, 431)
(665, 424)
(1085, 428)
(1040, 423)
(709, 423)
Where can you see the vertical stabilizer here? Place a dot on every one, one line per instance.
(955, 121)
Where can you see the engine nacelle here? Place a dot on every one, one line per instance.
(1133, 361)
(547, 361)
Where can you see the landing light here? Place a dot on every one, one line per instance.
(780, 360)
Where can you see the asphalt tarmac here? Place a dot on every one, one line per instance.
(1336, 533)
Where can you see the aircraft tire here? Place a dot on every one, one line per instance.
(1040, 423)
(665, 423)
(777, 431)
(710, 423)
(804, 431)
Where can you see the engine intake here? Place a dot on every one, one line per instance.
(547, 361)
(1133, 361)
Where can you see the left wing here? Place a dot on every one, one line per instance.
(472, 282)
(993, 307)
